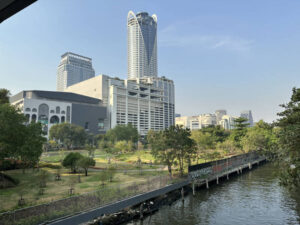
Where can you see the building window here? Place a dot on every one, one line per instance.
(33, 117)
(100, 124)
(34, 110)
(27, 110)
(62, 119)
(43, 119)
(43, 113)
(57, 110)
(68, 114)
(63, 112)
(86, 126)
(51, 111)
(54, 120)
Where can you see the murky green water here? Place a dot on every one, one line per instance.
(253, 198)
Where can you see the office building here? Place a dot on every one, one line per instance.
(72, 69)
(141, 45)
(147, 103)
(219, 114)
(196, 122)
(248, 115)
(51, 107)
(227, 122)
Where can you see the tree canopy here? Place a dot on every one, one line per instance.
(85, 163)
(4, 96)
(71, 161)
(123, 133)
(289, 139)
(239, 131)
(17, 139)
(172, 145)
(70, 135)
(261, 137)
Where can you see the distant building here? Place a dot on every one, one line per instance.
(73, 69)
(177, 115)
(206, 120)
(219, 114)
(227, 122)
(147, 103)
(142, 45)
(248, 115)
(191, 122)
(51, 107)
(196, 122)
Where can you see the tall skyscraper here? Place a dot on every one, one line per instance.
(248, 115)
(142, 45)
(73, 69)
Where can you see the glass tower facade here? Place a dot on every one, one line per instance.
(73, 69)
(142, 45)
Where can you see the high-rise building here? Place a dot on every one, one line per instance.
(219, 114)
(146, 103)
(248, 115)
(142, 45)
(73, 69)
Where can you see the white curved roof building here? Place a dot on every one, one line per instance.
(142, 45)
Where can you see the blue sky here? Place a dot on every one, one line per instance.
(232, 54)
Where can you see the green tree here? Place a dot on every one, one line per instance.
(4, 96)
(217, 134)
(160, 150)
(32, 148)
(69, 135)
(178, 139)
(289, 139)
(239, 131)
(203, 140)
(12, 131)
(18, 140)
(123, 133)
(71, 161)
(261, 138)
(85, 163)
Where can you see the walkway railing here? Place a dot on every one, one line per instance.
(212, 169)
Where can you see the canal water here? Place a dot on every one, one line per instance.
(252, 198)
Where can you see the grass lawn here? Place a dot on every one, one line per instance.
(29, 185)
(124, 161)
(127, 174)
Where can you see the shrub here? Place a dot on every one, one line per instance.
(71, 161)
(49, 165)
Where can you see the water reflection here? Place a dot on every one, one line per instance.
(253, 198)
